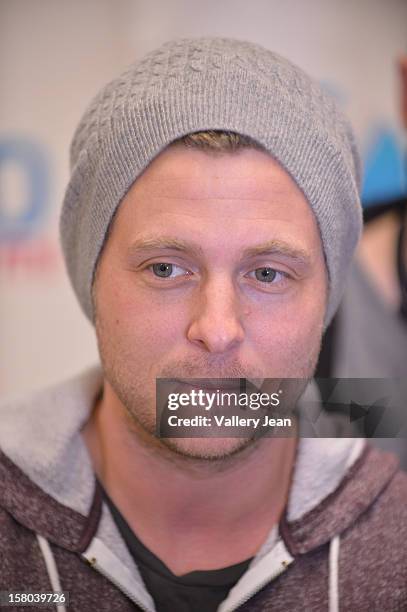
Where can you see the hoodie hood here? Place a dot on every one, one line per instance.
(44, 459)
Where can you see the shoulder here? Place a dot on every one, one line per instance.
(20, 559)
(29, 417)
(373, 551)
(381, 479)
(387, 515)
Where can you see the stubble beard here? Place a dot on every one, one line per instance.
(137, 397)
(139, 415)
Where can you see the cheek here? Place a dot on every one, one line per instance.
(139, 322)
(287, 335)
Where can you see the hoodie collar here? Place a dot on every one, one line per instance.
(44, 458)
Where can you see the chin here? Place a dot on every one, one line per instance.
(209, 449)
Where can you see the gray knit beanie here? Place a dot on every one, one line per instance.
(210, 84)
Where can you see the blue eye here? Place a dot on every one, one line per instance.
(167, 270)
(266, 275)
(162, 269)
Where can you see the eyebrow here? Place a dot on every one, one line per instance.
(271, 247)
(278, 247)
(164, 242)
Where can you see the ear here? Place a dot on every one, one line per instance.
(402, 64)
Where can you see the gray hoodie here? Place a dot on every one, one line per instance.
(339, 546)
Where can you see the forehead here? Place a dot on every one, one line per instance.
(185, 172)
(212, 195)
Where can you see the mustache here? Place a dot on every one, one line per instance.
(198, 368)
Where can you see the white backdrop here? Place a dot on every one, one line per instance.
(55, 55)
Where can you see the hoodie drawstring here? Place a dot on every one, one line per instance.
(51, 568)
(334, 574)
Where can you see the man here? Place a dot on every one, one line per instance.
(208, 227)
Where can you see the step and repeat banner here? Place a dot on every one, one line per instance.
(55, 55)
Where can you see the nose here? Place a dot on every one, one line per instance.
(216, 323)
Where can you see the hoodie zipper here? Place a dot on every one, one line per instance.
(285, 560)
(246, 598)
(93, 563)
(283, 564)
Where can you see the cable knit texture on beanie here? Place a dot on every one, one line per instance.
(199, 84)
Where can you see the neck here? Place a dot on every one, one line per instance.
(166, 498)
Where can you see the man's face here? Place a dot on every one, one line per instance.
(213, 268)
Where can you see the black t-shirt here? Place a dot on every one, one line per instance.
(198, 591)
